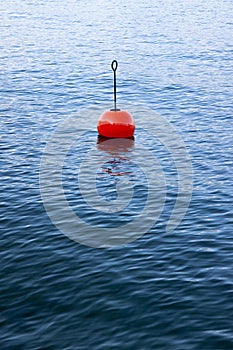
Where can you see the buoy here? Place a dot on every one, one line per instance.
(116, 123)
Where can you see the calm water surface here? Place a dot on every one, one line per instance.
(162, 291)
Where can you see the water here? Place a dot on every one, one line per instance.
(162, 291)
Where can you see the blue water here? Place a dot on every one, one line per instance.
(161, 291)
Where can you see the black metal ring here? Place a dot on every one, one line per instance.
(116, 65)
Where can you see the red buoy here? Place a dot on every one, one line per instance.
(115, 122)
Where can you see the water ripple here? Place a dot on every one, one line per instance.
(162, 291)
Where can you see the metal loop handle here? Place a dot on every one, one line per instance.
(114, 68)
(114, 65)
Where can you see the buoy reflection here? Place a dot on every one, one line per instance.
(119, 150)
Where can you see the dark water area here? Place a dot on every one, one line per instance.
(163, 290)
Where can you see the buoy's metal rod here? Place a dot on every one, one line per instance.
(114, 68)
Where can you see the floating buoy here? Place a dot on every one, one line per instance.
(116, 123)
